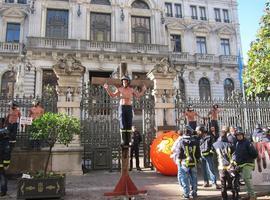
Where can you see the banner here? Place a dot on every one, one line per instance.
(26, 120)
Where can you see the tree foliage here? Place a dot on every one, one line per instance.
(54, 127)
(257, 74)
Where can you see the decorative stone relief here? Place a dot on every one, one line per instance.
(191, 76)
(68, 65)
(163, 67)
(216, 77)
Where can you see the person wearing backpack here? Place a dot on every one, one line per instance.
(243, 158)
(188, 154)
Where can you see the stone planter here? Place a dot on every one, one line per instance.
(41, 188)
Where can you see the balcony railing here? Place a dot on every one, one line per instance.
(204, 58)
(86, 45)
(6, 47)
(179, 57)
(228, 60)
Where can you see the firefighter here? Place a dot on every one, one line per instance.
(126, 93)
(206, 149)
(188, 154)
(227, 173)
(4, 159)
(243, 158)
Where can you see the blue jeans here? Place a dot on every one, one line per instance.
(208, 169)
(188, 176)
(3, 180)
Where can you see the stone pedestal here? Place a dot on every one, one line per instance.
(163, 75)
(69, 72)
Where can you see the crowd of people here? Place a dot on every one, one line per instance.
(231, 149)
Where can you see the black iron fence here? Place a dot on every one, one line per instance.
(236, 111)
(49, 103)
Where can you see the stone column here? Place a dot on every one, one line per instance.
(69, 72)
(163, 75)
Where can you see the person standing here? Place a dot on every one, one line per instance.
(228, 178)
(191, 117)
(136, 139)
(189, 155)
(231, 136)
(36, 110)
(4, 160)
(126, 93)
(243, 158)
(206, 149)
(13, 119)
(213, 116)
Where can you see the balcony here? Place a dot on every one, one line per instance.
(179, 57)
(228, 60)
(204, 58)
(6, 47)
(87, 45)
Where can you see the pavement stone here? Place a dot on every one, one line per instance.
(93, 185)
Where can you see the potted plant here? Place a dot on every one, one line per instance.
(50, 128)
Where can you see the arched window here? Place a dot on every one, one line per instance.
(228, 88)
(7, 84)
(204, 89)
(182, 88)
(101, 2)
(139, 4)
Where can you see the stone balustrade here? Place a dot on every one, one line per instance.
(6, 47)
(228, 59)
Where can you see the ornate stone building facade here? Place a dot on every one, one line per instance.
(200, 38)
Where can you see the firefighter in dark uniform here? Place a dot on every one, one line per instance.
(136, 139)
(188, 152)
(4, 159)
(229, 176)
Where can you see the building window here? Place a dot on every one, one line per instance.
(226, 16)
(141, 32)
(139, 4)
(194, 14)
(168, 7)
(202, 13)
(13, 32)
(217, 15)
(201, 45)
(204, 89)
(7, 84)
(21, 1)
(225, 47)
(228, 88)
(176, 43)
(100, 27)
(9, 1)
(57, 23)
(178, 10)
(101, 2)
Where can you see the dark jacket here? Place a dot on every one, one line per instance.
(4, 153)
(245, 153)
(189, 151)
(224, 150)
(136, 138)
(232, 139)
(206, 145)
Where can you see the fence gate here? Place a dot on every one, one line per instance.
(100, 135)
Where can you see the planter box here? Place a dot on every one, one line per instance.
(51, 187)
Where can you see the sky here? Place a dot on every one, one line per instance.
(249, 12)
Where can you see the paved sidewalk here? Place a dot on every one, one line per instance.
(92, 186)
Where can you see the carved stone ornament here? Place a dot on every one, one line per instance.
(216, 76)
(68, 65)
(164, 67)
(191, 76)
